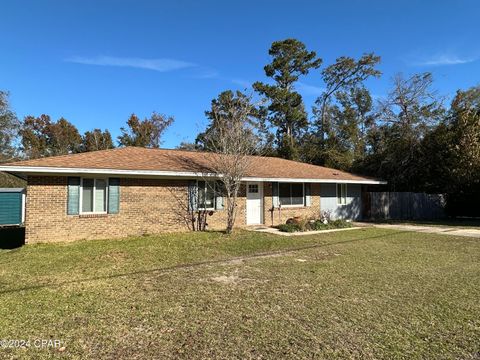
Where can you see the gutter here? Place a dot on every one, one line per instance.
(41, 170)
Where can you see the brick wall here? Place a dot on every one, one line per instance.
(147, 206)
(277, 216)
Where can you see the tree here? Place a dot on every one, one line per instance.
(189, 146)
(227, 102)
(43, 137)
(232, 138)
(144, 133)
(286, 110)
(341, 79)
(348, 122)
(63, 138)
(464, 145)
(9, 126)
(410, 111)
(465, 123)
(34, 136)
(436, 160)
(355, 118)
(97, 140)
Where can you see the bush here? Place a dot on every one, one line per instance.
(289, 228)
(303, 223)
(333, 224)
(306, 225)
(340, 224)
(319, 225)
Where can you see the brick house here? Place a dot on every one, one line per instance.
(133, 191)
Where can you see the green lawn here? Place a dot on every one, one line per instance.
(368, 293)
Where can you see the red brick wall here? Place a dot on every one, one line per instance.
(275, 216)
(147, 206)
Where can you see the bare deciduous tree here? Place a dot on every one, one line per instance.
(232, 137)
(193, 219)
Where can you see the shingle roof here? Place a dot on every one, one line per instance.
(142, 159)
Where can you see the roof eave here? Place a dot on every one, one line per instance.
(42, 170)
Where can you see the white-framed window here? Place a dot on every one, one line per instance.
(253, 188)
(93, 195)
(291, 194)
(206, 195)
(341, 194)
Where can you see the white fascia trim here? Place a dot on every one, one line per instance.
(80, 171)
(323, 181)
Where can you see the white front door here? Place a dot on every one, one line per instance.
(254, 203)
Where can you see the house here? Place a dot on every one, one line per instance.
(132, 191)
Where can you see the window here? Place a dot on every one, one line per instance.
(341, 194)
(253, 188)
(291, 194)
(206, 195)
(94, 196)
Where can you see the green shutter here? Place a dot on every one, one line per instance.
(308, 194)
(275, 200)
(219, 186)
(192, 195)
(113, 196)
(73, 201)
(10, 207)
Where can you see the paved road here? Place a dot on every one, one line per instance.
(444, 230)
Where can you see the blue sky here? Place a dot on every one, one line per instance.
(96, 62)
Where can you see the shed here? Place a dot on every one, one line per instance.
(12, 206)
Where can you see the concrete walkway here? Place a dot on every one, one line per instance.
(443, 230)
(271, 230)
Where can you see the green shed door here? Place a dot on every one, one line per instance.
(10, 208)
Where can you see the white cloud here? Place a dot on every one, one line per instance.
(445, 59)
(161, 65)
(306, 89)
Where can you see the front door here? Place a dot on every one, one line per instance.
(254, 203)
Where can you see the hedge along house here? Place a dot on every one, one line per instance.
(132, 191)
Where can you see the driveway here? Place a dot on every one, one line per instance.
(443, 230)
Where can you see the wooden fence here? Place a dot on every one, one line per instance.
(402, 205)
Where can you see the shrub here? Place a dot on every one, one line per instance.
(307, 225)
(304, 224)
(289, 227)
(340, 224)
(333, 224)
(319, 225)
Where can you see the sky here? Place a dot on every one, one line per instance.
(97, 62)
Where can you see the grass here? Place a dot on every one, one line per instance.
(368, 293)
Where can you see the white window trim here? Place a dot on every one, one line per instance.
(343, 197)
(295, 205)
(198, 195)
(80, 210)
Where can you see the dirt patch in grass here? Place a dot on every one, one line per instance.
(231, 279)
